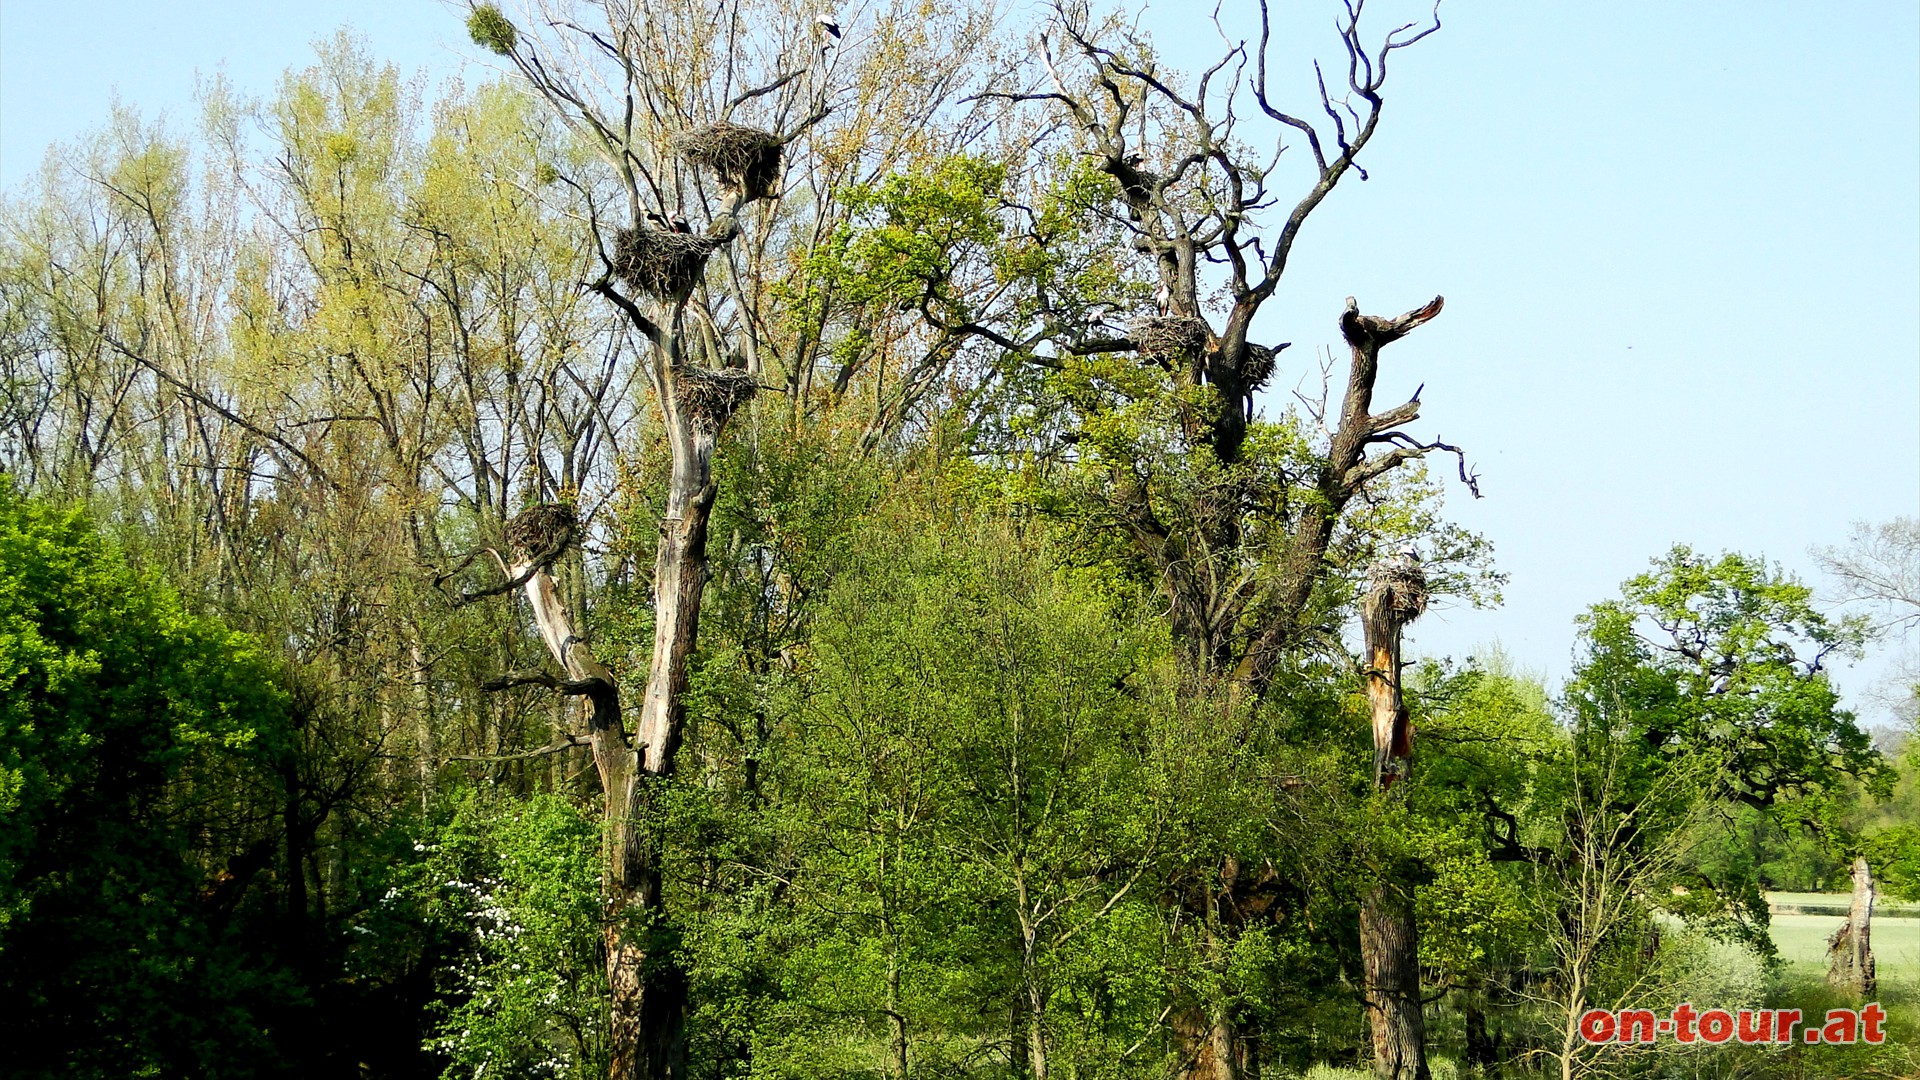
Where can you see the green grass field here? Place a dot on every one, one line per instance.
(1802, 938)
(1802, 941)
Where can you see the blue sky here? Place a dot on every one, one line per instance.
(1680, 245)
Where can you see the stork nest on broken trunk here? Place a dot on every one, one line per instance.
(541, 533)
(746, 160)
(1398, 585)
(709, 396)
(1166, 338)
(665, 265)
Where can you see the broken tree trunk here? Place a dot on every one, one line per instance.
(1396, 595)
(1346, 472)
(1389, 940)
(1850, 950)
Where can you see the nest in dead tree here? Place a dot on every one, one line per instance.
(745, 159)
(541, 533)
(666, 265)
(1166, 338)
(1258, 368)
(709, 396)
(1398, 585)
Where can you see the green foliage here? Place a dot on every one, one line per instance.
(520, 881)
(1725, 656)
(974, 767)
(135, 738)
(949, 783)
(1715, 666)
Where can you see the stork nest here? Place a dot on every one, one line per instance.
(745, 159)
(1259, 366)
(709, 396)
(542, 532)
(1398, 585)
(666, 265)
(1169, 337)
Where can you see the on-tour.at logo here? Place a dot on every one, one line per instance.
(1750, 1026)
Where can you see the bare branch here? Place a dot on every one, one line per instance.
(565, 743)
(572, 687)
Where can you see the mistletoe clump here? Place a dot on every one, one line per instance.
(491, 30)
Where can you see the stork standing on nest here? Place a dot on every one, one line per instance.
(667, 224)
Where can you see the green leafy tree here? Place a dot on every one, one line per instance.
(972, 773)
(138, 754)
(1723, 660)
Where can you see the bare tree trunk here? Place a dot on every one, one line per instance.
(1850, 964)
(1390, 957)
(1483, 1045)
(1036, 1031)
(1207, 1036)
(647, 988)
(896, 1020)
(1392, 733)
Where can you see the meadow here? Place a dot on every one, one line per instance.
(1802, 922)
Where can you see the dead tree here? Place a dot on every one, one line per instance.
(1190, 196)
(1396, 595)
(1850, 950)
(1239, 554)
(656, 146)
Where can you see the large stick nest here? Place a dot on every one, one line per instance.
(709, 396)
(1398, 585)
(1167, 338)
(541, 533)
(745, 159)
(1259, 366)
(666, 265)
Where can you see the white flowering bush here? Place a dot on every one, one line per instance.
(526, 998)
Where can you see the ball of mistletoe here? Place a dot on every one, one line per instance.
(491, 30)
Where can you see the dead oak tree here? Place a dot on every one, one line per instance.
(1850, 965)
(1240, 546)
(1192, 202)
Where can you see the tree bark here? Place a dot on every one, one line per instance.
(1392, 738)
(1390, 957)
(1483, 1045)
(1850, 965)
(1207, 1034)
(1215, 1047)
